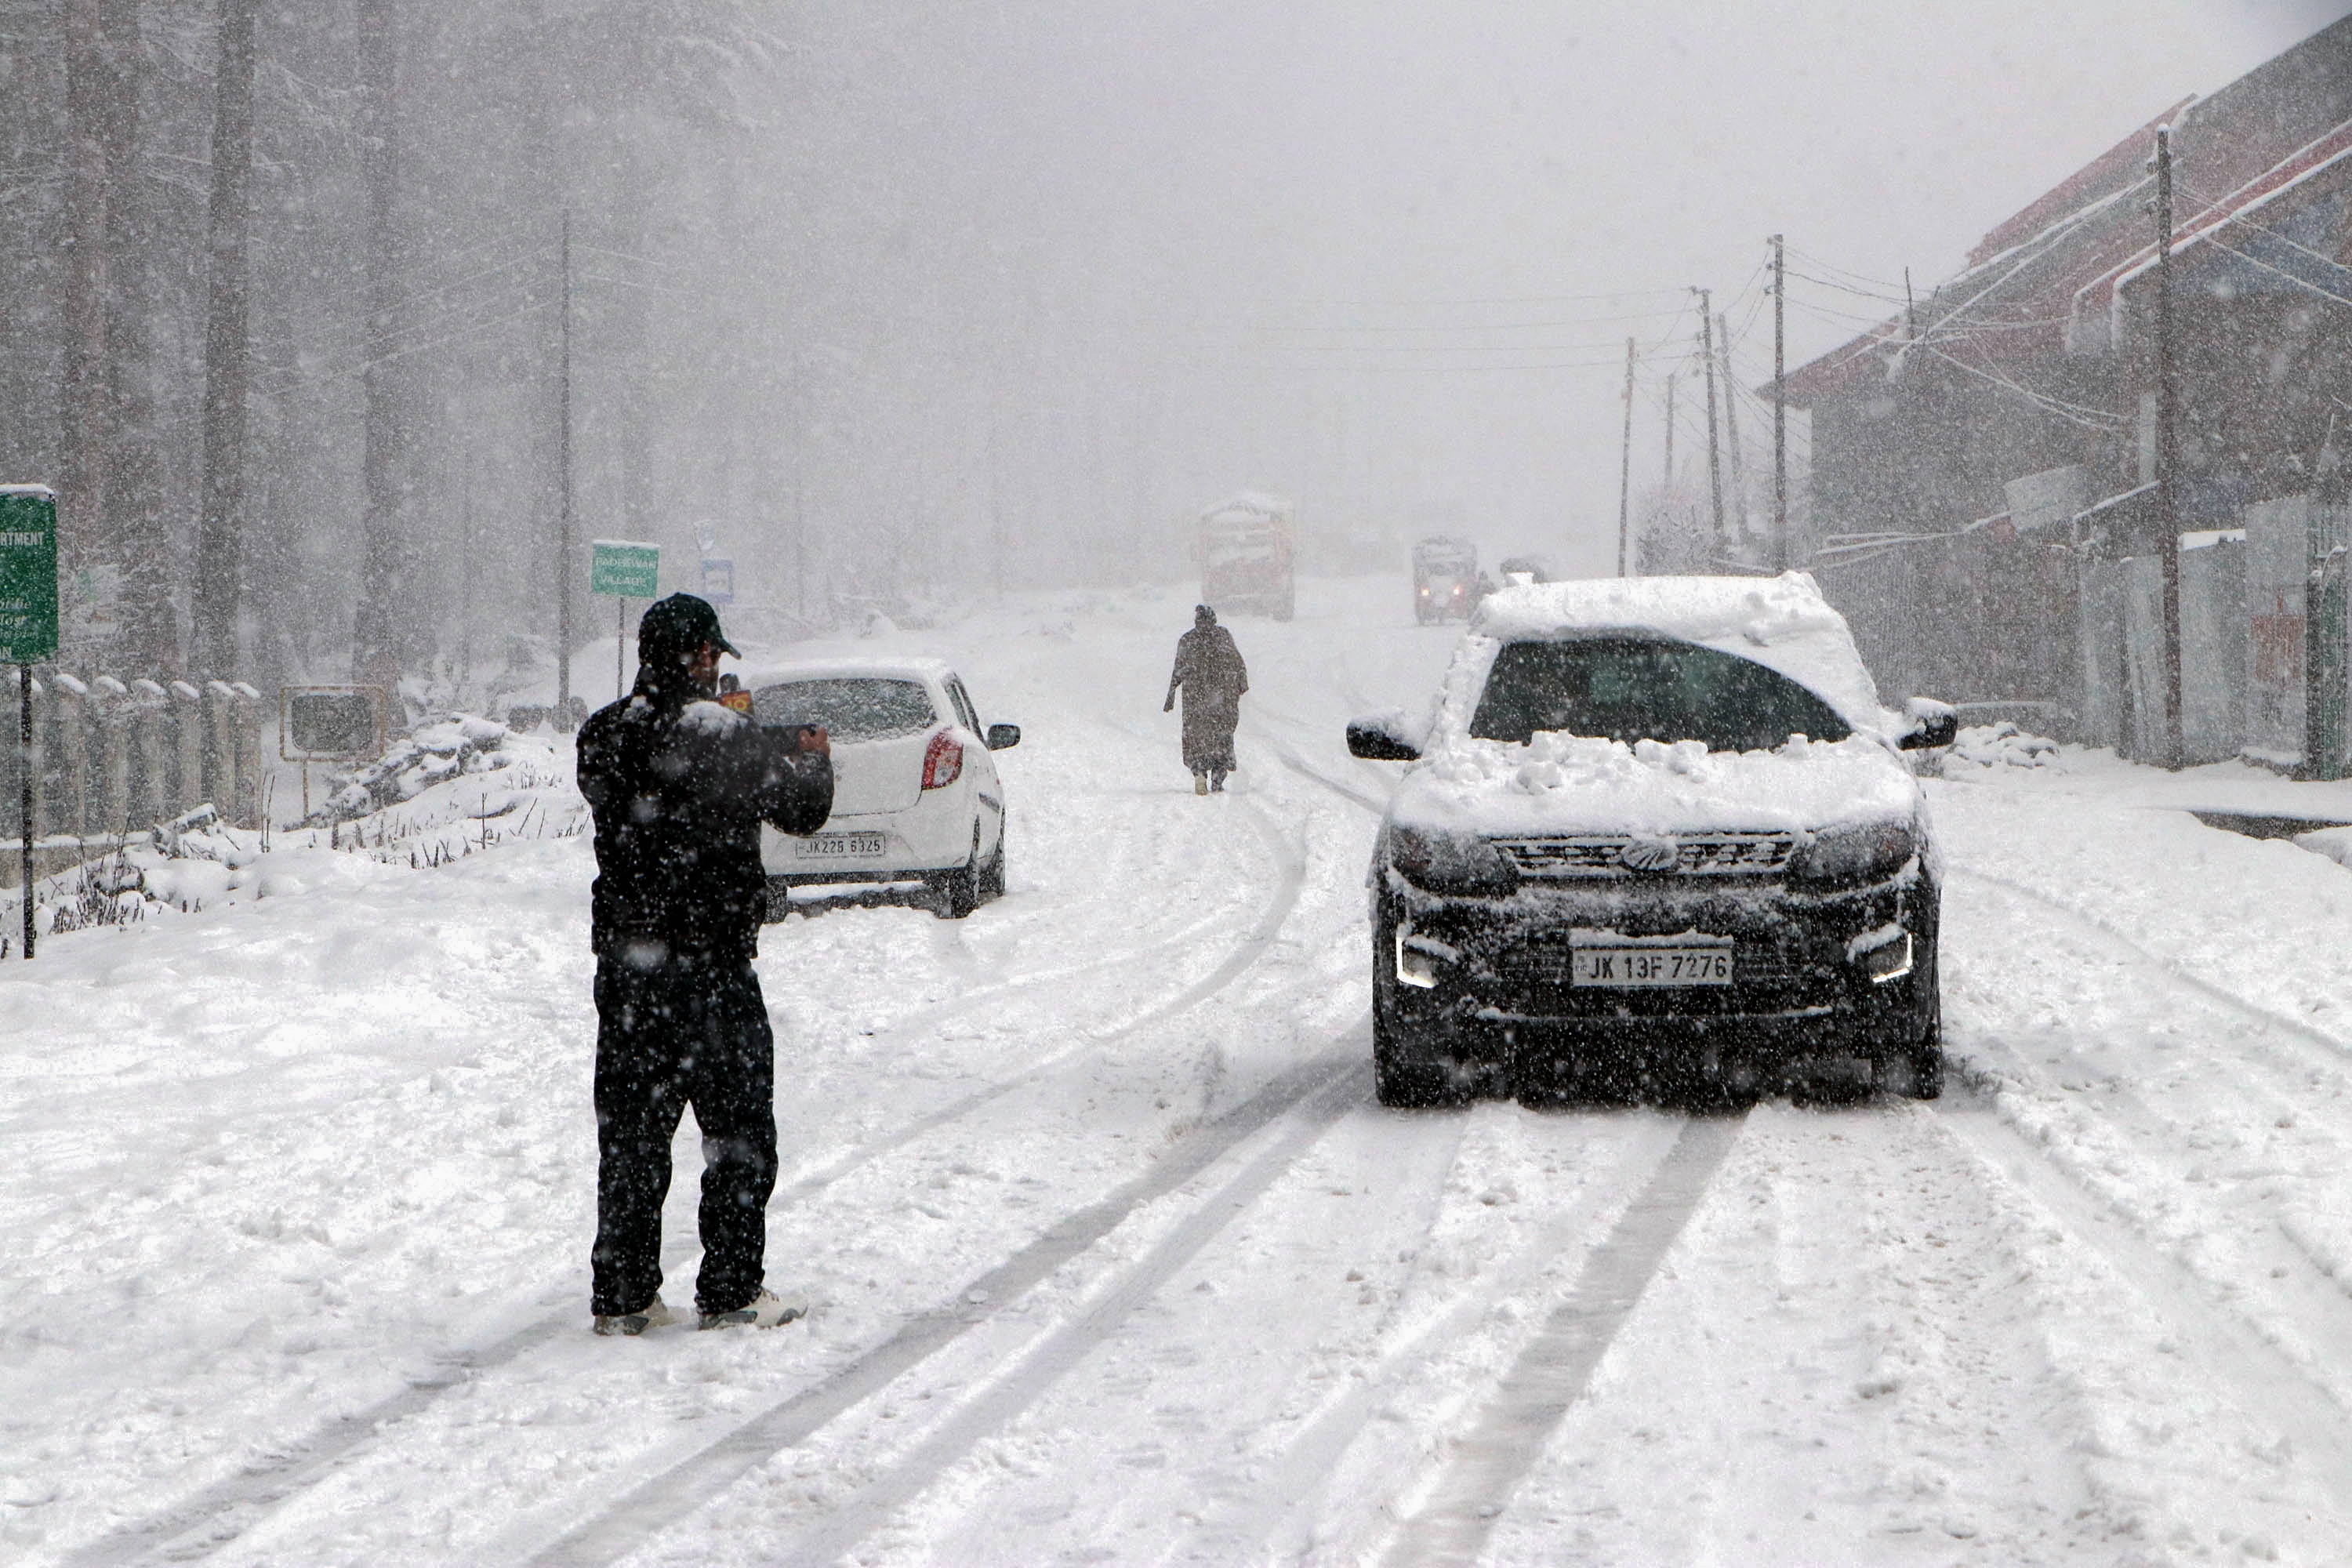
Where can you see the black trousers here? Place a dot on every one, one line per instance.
(674, 1030)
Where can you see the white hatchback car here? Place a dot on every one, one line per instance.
(915, 794)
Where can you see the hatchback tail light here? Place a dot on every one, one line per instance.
(942, 761)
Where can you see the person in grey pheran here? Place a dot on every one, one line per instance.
(679, 786)
(1210, 672)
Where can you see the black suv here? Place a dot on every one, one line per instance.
(1660, 836)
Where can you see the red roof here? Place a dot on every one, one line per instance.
(2056, 262)
(2117, 166)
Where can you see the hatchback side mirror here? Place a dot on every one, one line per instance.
(1003, 737)
(1933, 724)
(1383, 738)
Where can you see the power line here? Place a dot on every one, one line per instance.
(2074, 413)
(1431, 348)
(1447, 326)
(1450, 304)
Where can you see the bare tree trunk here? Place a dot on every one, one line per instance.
(91, 89)
(133, 524)
(220, 544)
(381, 634)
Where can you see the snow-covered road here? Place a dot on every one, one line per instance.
(1114, 1257)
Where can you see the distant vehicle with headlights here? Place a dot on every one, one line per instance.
(1444, 580)
(1660, 836)
(915, 794)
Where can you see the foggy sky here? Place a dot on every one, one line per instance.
(1249, 231)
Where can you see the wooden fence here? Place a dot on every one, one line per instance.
(112, 756)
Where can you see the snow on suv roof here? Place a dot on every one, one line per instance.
(1781, 623)
(913, 666)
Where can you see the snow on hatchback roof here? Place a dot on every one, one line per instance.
(904, 667)
(1781, 623)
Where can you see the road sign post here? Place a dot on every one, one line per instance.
(28, 631)
(626, 570)
(329, 723)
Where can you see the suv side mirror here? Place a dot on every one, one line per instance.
(1003, 737)
(1933, 724)
(1387, 737)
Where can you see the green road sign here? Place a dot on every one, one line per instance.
(28, 574)
(629, 571)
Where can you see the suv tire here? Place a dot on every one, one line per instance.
(1403, 1084)
(1913, 1063)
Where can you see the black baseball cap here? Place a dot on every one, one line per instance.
(680, 624)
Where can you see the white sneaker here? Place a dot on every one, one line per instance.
(656, 1316)
(766, 1311)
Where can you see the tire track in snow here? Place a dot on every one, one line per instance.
(220, 1513)
(2173, 970)
(2278, 1392)
(1044, 1366)
(1246, 1528)
(1291, 879)
(1313, 1097)
(2311, 1412)
(1550, 1374)
(2317, 1281)
(1288, 755)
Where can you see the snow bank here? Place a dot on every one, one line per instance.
(1781, 623)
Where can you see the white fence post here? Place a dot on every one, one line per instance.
(73, 754)
(188, 746)
(150, 714)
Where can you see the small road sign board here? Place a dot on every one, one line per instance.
(625, 570)
(329, 723)
(718, 581)
(28, 574)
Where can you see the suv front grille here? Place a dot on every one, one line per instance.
(1697, 854)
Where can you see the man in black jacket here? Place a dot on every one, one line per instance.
(678, 785)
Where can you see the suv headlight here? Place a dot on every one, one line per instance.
(1449, 862)
(1870, 853)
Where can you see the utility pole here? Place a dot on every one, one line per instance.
(1910, 310)
(1670, 433)
(2167, 452)
(1707, 358)
(1780, 405)
(1731, 421)
(1625, 468)
(563, 485)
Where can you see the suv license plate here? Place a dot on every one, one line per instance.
(1631, 966)
(836, 845)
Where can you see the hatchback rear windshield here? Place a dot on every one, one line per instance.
(851, 708)
(1634, 691)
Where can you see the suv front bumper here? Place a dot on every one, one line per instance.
(1848, 971)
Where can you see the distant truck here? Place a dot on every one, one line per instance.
(1246, 548)
(1444, 580)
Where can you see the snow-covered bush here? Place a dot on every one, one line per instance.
(428, 755)
(2002, 745)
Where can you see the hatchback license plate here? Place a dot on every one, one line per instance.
(1633, 966)
(836, 845)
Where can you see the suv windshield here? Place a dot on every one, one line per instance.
(851, 708)
(1629, 690)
